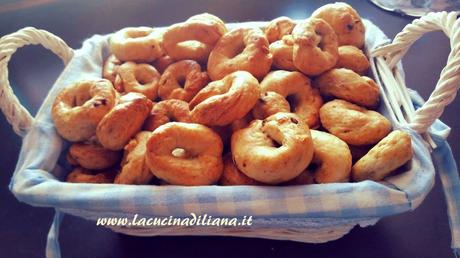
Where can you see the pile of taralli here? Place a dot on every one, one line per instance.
(199, 104)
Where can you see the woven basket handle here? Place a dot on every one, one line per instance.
(446, 88)
(15, 113)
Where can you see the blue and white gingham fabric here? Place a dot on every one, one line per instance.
(42, 166)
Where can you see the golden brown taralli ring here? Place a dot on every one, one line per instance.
(171, 110)
(315, 46)
(123, 121)
(345, 84)
(203, 30)
(224, 101)
(91, 155)
(353, 124)
(109, 71)
(273, 150)
(162, 63)
(270, 103)
(200, 162)
(295, 87)
(141, 78)
(83, 175)
(332, 158)
(78, 109)
(134, 170)
(353, 58)
(243, 49)
(345, 21)
(390, 153)
(137, 44)
(278, 28)
(182, 80)
(282, 51)
(233, 176)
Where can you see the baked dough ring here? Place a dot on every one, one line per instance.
(134, 170)
(332, 158)
(171, 110)
(162, 63)
(141, 78)
(91, 155)
(354, 124)
(345, 84)
(137, 44)
(243, 49)
(315, 46)
(109, 71)
(295, 86)
(345, 21)
(77, 109)
(123, 121)
(182, 80)
(270, 103)
(83, 175)
(202, 163)
(273, 150)
(233, 176)
(353, 58)
(282, 51)
(193, 39)
(278, 28)
(389, 154)
(226, 100)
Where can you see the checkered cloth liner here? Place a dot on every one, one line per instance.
(41, 167)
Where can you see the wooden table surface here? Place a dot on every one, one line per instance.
(23, 229)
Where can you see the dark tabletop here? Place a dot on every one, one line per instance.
(421, 233)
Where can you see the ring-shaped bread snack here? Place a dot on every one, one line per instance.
(83, 175)
(345, 84)
(278, 28)
(182, 80)
(193, 39)
(78, 109)
(354, 124)
(390, 153)
(201, 160)
(233, 176)
(141, 78)
(315, 46)
(137, 44)
(305, 101)
(162, 63)
(109, 71)
(92, 155)
(282, 51)
(273, 150)
(270, 103)
(224, 101)
(171, 110)
(134, 170)
(242, 49)
(345, 21)
(353, 58)
(123, 121)
(331, 157)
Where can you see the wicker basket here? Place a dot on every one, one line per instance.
(279, 212)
